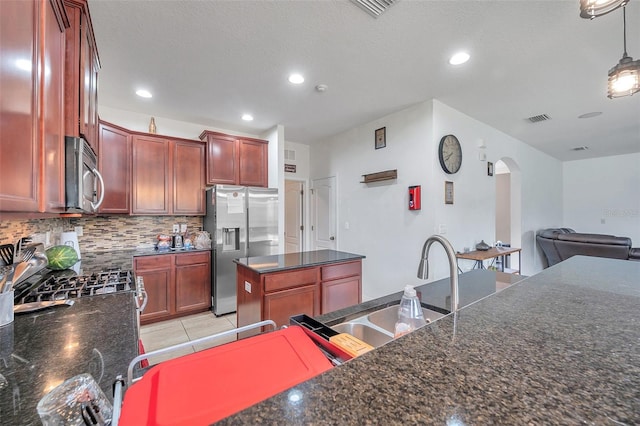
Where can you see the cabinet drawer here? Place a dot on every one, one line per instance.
(153, 262)
(341, 270)
(191, 258)
(295, 278)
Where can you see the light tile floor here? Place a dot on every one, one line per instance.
(166, 333)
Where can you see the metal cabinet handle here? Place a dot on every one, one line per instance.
(332, 238)
(99, 176)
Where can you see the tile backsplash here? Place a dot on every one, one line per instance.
(102, 232)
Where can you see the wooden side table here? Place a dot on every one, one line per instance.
(481, 255)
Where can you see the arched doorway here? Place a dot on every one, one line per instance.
(508, 205)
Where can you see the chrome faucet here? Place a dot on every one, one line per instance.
(423, 269)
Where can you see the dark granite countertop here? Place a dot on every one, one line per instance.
(560, 347)
(281, 262)
(97, 335)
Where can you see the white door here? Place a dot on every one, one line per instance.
(324, 213)
(293, 222)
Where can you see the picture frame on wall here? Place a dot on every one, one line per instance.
(380, 138)
(489, 168)
(448, 192)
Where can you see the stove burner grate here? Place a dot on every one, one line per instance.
(59, 288)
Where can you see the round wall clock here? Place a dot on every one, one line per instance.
(450, 153)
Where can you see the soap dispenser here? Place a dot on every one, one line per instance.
(410, 315)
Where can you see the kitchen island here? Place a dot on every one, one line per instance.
(560, 347)
(279, 286)
(38, 351)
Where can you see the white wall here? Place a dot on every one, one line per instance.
(381, 226)
(602, 196)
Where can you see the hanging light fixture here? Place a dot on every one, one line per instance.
(590, 9)
(624, 78)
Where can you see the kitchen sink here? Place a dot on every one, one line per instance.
(363, 332)
(386, 318)
(378, 327)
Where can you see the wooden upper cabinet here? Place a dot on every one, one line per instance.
(221, 162)
(253, 160)
(114, 163)
(151, 181)
(167, 176)
(81, 69)
(235, 161)
(188, 178)
(32, 135)
(52, 38)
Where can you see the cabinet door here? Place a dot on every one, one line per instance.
(281, 305)
(158, 287)
(114, 162)
(221, 160)
(52, 106)
(340, 294)
(253, 163)
(81, 84)
(19, 172)
(193, 282)
(91, 95)
(150, 176)
(188, 178)
(158, 283)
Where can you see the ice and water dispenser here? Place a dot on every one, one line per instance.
(230, 239)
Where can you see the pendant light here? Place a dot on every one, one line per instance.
(590, 9)
(624, 78)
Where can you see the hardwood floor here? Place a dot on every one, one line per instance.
(167, 333)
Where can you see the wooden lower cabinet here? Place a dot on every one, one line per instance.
(341, 285)
(176, 284)
(192, 270)
(313, 291)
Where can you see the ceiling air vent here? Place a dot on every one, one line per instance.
(580, 148)
(539, 118)
(374, 8)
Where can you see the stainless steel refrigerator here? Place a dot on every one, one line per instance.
(243, 222)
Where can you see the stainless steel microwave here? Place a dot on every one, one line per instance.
(81, 177)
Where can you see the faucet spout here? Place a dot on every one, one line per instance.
(423, 268)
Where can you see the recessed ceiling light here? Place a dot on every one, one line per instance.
(247, 117)
(296, 79)
(459, 58)
(143, 93)
(590, 114)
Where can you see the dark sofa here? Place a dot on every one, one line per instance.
(559, 244)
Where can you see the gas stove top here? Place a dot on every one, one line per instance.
(71, 287)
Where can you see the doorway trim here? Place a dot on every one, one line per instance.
(515, 205)
(304, 220)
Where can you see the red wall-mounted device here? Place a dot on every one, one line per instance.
(414, 197)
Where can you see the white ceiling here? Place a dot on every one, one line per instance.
(207, 62)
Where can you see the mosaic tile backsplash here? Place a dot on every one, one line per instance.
(102, 232)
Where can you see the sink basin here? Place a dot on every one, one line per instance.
(363, 332)
(377, 328)
(386, 318)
